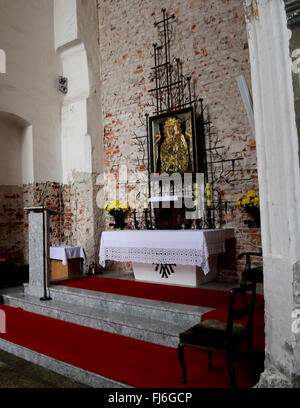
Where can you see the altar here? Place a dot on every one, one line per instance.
(179, 257)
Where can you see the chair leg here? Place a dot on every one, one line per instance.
(210, 359)
(230, 367)
(180, 350)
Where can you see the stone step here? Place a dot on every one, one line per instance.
(131, 317)
(60, 367)
(140, 307)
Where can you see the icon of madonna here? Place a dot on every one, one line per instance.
(174, 150)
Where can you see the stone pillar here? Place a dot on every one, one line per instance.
(279, 186)
(36, 254)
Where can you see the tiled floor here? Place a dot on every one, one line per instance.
(18, 373)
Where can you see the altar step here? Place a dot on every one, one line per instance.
(143, 319)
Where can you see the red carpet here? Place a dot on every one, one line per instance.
(133, 362)
(154, 291)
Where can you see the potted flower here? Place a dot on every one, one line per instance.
(250, 204)
(118, 211)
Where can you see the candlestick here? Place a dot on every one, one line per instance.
(147, 221)
(136, 223)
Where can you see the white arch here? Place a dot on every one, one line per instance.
(27, 164)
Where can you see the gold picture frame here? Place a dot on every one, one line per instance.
(173, 145)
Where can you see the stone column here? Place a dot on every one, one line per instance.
(36, 254)
(279, 186)
(39, 262)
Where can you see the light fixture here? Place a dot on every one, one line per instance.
(63, 84)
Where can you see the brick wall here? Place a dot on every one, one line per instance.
(74, 227)
(11, 223)
(211, 39)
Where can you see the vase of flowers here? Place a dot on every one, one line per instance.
(118, 211)
(250, 204)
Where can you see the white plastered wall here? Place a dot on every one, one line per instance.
(76, 140)
(76, 42)
(28, 89)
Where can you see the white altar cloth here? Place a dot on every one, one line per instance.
(182, 247)
(63, 253)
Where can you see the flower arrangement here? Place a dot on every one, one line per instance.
(250, 204)
(118, 211)
(116, 208)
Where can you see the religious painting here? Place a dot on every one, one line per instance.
(172, 142)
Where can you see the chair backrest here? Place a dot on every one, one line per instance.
(242, 309)
(251, 274)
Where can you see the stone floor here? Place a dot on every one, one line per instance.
(18, 373)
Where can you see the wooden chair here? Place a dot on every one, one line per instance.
(252, 274)
(226, 336)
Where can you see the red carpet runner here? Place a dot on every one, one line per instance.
(133, 362)
(154, 291)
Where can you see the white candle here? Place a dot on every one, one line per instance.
(146, 199)
(196, 194)
(133, 203)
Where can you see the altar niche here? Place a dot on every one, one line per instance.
(176, 149)
(176, 130)
(179, 137)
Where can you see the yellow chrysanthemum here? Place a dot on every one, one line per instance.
(251, 194)
(239, 201)
(124, 207)
(256, 202)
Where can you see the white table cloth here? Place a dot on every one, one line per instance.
(63, 253)
(182, 247)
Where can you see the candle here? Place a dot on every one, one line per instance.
(133, 203)
(208, 195)
(196, 194)
(145, 199)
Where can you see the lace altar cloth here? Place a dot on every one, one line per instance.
(182, 247)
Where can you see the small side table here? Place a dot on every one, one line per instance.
(66, 261)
